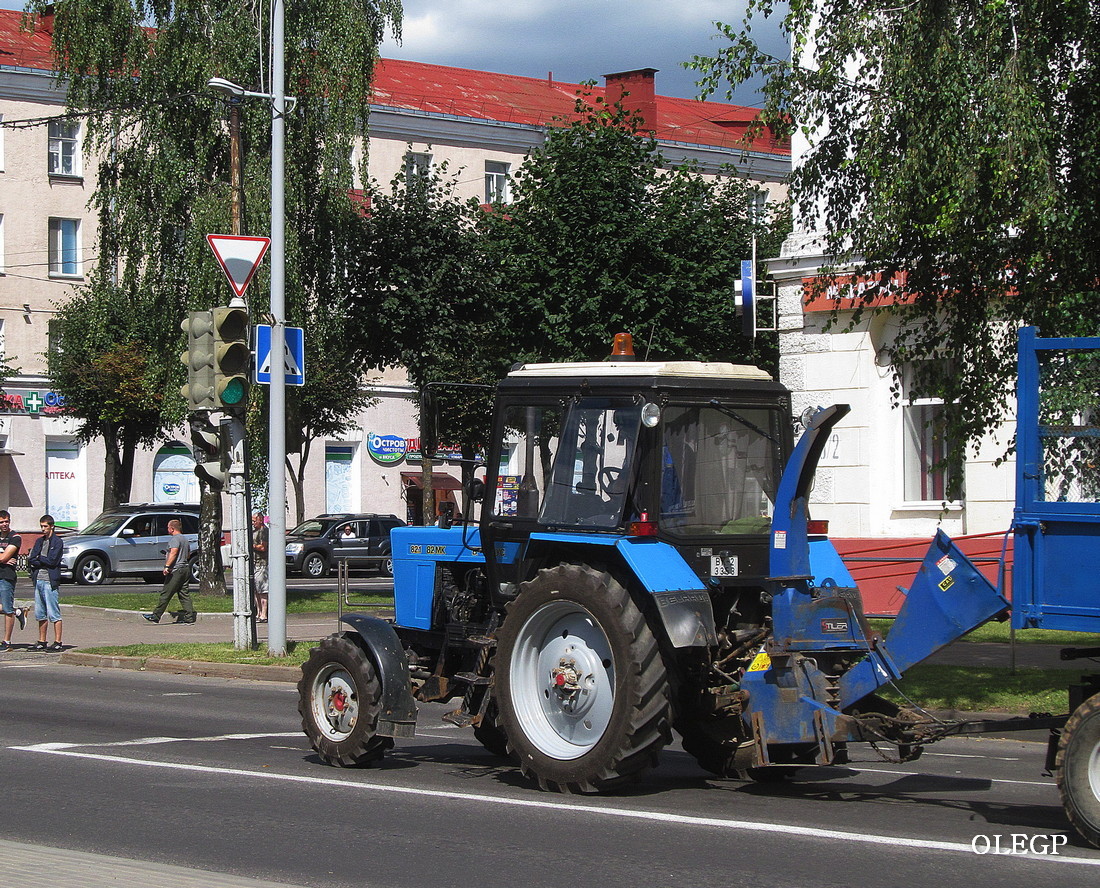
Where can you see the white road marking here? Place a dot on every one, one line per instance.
(664, 818)
(959, 755)
(155, 741)
(24, 665)
(922, 774)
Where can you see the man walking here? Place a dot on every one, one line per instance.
(46, 555)
(177, 576)
(9, 550)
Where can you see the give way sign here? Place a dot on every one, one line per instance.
(239, 257)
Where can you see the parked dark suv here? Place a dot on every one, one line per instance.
(363, 540)
(129, 540)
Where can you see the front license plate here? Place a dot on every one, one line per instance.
(723, 565)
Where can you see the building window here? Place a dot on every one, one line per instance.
(65, 248)
(496, 182)
(53, 339)
(64, 148)
(924, 447)
(417, 165)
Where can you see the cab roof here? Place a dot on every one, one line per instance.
(620, 369)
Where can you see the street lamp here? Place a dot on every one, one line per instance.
(276, 440)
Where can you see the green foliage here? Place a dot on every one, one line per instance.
(429, 301)
(953, 158)
(602, 237)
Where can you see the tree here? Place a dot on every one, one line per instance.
(136, 71)
(111, 385)
(602, 237)
(952, 164)
(428, 301)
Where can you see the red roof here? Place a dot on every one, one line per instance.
(19, 49)
(484, 95)
(480, 95)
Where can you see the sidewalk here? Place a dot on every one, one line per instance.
(78, 869)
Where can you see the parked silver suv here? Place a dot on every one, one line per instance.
(129, 540)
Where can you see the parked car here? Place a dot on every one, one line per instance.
(362, 540)
(129, 540)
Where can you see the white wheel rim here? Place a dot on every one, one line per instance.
(563, 721)
(335, 703)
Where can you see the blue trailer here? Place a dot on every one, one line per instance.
(644, 564)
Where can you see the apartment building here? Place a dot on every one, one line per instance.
(482, 124)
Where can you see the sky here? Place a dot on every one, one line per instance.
(575, 39)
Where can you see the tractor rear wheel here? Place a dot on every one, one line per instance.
(582, 689)
(1078, 769)
(338, 698)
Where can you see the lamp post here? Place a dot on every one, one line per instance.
(276, 444)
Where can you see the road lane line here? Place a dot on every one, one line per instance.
(926, 774)
(154, 741)
(662, 817)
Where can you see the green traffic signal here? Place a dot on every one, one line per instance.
(232, 355)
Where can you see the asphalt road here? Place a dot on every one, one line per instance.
(215, 775)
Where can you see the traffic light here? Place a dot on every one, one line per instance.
(211, 451)
(232, 357)
(199, 361)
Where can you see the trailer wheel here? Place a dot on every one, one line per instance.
(1078, 764)
(582, 689)
(338, 696)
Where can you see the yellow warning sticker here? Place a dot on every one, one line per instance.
(760, 663)
(946, 583)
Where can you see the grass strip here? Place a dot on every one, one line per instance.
(999, 633)
(984, 689)
(209, 652)
(302, 601)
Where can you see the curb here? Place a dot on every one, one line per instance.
(183, 667)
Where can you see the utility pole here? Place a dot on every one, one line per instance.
(276, 445)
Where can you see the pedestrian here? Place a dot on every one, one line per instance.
(259, 562)
(46, 556)
(177, 576)
(10, 544)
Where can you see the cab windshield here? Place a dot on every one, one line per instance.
(572, 469)
(720, 469)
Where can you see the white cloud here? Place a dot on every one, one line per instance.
(575, 39)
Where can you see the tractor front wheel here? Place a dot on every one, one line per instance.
(338, 698)
(582, 689)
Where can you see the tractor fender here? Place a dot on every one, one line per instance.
(397, 717)
(682, 600)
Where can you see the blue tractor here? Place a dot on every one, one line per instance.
(644, 564)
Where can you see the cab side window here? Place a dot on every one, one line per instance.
(190, 523)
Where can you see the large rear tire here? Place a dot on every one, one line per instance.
(338, 696)
(581, 687)
(490, 734)
(1078, 769)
